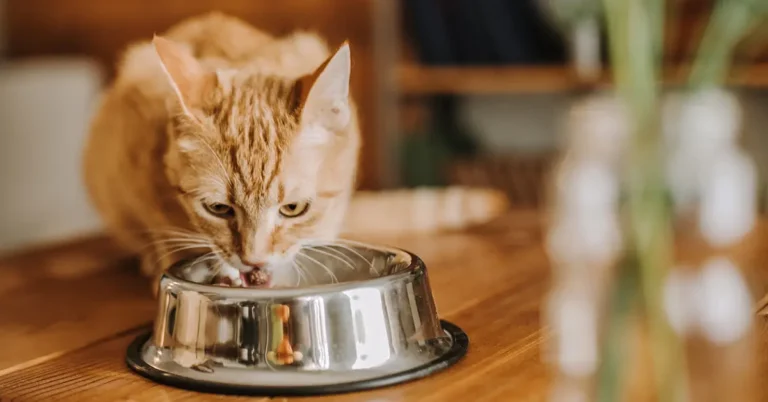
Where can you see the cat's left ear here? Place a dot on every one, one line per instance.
(186, 75)
(324, 99)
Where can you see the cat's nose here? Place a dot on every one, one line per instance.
(254, 263)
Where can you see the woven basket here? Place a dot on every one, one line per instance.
(521, 177)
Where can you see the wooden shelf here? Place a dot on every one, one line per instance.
(422, 80)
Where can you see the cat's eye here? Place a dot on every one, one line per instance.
(219, 210)
(294, 209)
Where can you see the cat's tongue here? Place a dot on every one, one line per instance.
(254, 279)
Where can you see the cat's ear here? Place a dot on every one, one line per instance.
(185, 74)
(324, 96)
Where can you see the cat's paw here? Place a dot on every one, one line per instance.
(229, 276)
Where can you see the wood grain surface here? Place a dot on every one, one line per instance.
(68, 315)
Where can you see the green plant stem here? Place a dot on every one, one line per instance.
(730, 22)
(635, 47)
(652, 238)
(622, 304)
(657, 10)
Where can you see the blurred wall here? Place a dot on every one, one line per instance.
(45, 106)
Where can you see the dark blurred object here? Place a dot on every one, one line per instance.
(432, 139)
(493, 32)
(430, 31)
(468, 32)
(454, 133)
(509, 32)
(423, 155)
(547, 44)
(521, 177)
(481, 32)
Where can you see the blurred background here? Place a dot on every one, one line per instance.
(450, 91)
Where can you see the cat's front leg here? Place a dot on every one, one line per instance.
(228, 276)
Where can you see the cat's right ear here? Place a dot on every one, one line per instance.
(185, 74)
(324, 98)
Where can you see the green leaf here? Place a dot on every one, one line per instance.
(623, 303)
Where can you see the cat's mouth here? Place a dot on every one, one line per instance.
(255, 278)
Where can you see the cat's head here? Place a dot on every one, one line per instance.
(262, 164)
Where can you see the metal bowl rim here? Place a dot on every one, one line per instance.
(416, 266)
(459, 348)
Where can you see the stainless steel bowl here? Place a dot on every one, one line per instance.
(376, 326)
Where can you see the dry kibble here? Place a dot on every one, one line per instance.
(256, 277)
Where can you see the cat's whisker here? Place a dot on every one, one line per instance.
(161, 242)
(210, 264)
(212, 255)
(202, 258)
(298, 272)
(197, 260)
(173, 242)
(163, 234)
(216, 267)
(173, 239)
(208, 256)
(298, 278)
(355, 252)
(171, 231)
(219, 253)
(334, 279)
(303, 271)
(176, 250)
(342, 255)
(340, 244)
(171, 246)
(317, 250)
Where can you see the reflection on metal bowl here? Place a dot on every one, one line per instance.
(376, 325)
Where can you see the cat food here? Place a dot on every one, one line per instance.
(253, 278)
(256, 277)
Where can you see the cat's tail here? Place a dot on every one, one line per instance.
(422, 209)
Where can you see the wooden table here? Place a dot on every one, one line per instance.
(67, 316)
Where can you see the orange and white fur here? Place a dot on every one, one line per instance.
(220, 141)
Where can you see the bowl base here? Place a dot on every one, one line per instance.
(136, 361)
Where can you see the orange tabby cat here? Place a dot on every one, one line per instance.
(245, 146)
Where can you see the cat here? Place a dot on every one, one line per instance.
(219, 141)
